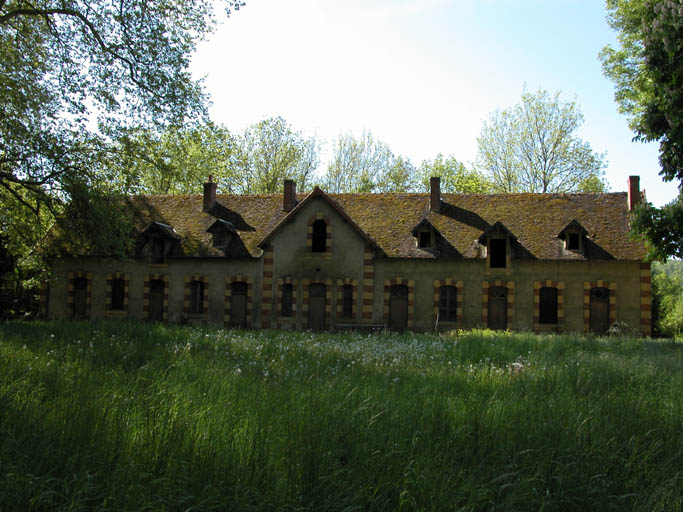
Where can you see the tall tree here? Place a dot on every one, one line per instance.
(270, 151)
(455, 177)
(532, 147)
(69, 65)
(176, 161)
(364, 164)
(647, 70)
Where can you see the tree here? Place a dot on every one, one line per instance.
(455, 177)
(532, 147)
(176, 161)
(270, 151)
(74, 74)
(367, 165)
(647, 69)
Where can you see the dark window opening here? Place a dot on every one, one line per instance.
(220, 239)
(197, 297)
(425, 240)
(547, 312)
(498, 247)
(319, 243)
(80, 283)
(157, 250)
(286, 300)
(347, 301)
(573, 242)
(448, 303)
(118, 290)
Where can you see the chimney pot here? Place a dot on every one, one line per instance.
(435, 194)
(209, 194)
(633, 192)
(289, 201)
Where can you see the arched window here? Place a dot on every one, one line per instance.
(319, 242)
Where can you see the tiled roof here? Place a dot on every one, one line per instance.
(388, 219)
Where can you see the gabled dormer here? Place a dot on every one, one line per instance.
(574, 236)
(498, 241)
(223, 233)
(425, 235)
(159, 240)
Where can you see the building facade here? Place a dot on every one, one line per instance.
(538, 262)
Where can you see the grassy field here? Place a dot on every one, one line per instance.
(127, 416)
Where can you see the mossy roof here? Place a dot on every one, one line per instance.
(388, 219)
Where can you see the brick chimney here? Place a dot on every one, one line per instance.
(209, 194)
(633, 191)
(435, 194)
(289, 201)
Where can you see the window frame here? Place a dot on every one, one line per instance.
(451, 303)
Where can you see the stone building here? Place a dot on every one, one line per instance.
(540, 262)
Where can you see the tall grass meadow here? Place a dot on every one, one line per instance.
(132, 416)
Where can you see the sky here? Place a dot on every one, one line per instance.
(421, 75)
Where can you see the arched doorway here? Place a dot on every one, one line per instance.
(316, 306)
(497, 317)
(599, 310)
(238, 304)
(398, 307)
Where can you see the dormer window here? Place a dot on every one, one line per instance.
(222, 233)
(160, 240)
(498, 252)
(573, 235)
(498, 240)
(426, 236)
(573, 242)
(425, 240)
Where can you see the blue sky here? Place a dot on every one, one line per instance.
(422, 75)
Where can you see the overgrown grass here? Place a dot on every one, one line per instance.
(127, 416)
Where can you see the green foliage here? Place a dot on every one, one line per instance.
(532, 147)
(455, 177)
(176, 161)
(667, 295)
(367, 165)
(660, 228)
(132, 416)
(76, 75)
(269, 152)
(646, 69)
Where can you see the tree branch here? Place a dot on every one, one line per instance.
(93, 31)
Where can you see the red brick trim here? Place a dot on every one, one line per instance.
(448, 281)
(187, 297)
(71, 291)
(108, 294)
(485, 285)
(328, 233)
(267, 295)
(410, 283)
(228, 298)
(645, 299)
(145, 304)
(368, 284)
(328, 298)
(559, 285)
(612, 287)
(340, 298)
(286, 321)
